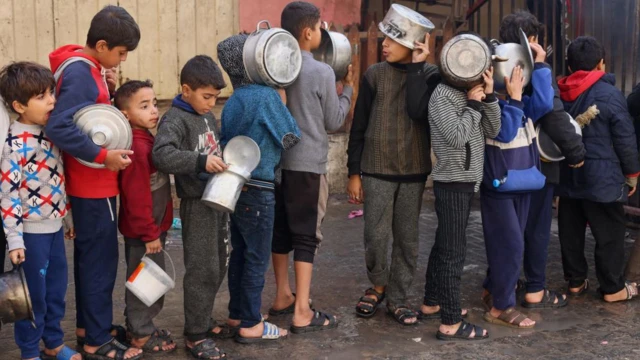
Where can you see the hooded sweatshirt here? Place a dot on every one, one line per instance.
(79, 86)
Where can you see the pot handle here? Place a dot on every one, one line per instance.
(258, 27)
(325, 25)
(497, 58)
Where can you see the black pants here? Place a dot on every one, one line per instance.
(447, 254)
(607, 222)
(3, 250)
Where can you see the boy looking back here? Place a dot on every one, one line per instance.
(84, 78)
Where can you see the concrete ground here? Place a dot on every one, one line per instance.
(586, 329)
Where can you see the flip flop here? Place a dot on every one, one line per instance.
(316, 324)
(510, 318)
(66, 353)
(270, 333)
(288, 310)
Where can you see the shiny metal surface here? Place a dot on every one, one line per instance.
(463, 60)
(548, 149)
(515, 54)
(405, 26)
(15, 301)
(334, 50)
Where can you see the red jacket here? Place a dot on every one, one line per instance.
(146, 208)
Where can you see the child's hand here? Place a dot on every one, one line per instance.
(70, 234)
(354, 189)
(111, 78)
(515, 85)
(488, 81)
(215, 164)
(118, 159)
(153, 247)
(17, 256)
(538, 52)
(476, 93)
(348, 79)
(421, 50)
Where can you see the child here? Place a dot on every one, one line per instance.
(391, 154)
(146, 211)
(596, 193)
(258, 112)
(84, 78)
(301, 198)
(187, 146)
(34, 205)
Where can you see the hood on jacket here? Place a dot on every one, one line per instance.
(230, 57)
(59, 55)
(574, 85)
(181, 104)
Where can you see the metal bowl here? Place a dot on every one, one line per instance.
(243, 153)
(464, 59)
(334, 50)
(548, 149)
(405, 26)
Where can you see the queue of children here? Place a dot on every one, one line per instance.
(404, 109)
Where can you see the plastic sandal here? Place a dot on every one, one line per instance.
(548, 301)
(317, 323)
(207, 350)
(401, 313)
(270, 333)
(370, 306)
(103, 352)
(511, 318)
(66, 353)
(464, 333)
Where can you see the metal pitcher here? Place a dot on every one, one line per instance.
(405, 26)
(334, 50)
(15, 301)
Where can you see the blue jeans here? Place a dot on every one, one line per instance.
(251, 234)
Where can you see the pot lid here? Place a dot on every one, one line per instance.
(525, 44)
(242, 152)
(282, 57)
(465, 57)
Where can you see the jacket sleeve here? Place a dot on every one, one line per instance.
(278, 121)
(77, 90)
(11, 203)
(335, 107)
(366, 96)
(455, 129)
(420, 86)
(135, 183)
(167, 155)
(491, 121)
(623, 135)
(540, 102)
(511, 120)
(633, 101)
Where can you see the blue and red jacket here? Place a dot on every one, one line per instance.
(79, 86)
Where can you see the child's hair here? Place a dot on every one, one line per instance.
(299, 15)
(584, 53)
(201, 71)
(127, 90)
(114, 25)
(521, 19)
(20, 81)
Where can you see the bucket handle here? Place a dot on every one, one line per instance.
(258, 27)
(171, 261)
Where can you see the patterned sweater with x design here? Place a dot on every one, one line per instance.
(33, 196)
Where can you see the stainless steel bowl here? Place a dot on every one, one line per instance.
(464, 59)
(548, 149)
(514, 54)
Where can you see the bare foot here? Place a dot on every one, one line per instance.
(304, 318)
(192, 344)
(578, 289)
(630, 290)
(283, 302)
(379, 289)
(452, 329)
(256, 331)
(54, 352)
(140, 342)
(525, 323)
(428, 310)
(130, 353)
(536, 297)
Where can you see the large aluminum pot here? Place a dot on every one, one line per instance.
(405, 26)
(549, 151)
(222, 191)
(464, 59)
(272, 56)
(106, 126)
(15, 301)
(515, 54)
(334, 50)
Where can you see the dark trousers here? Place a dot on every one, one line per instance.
(3, 250)
(503, 224)
(139, 316)
(45, 269)
(536, 238)
(632, 272)
(95, 256)
(448, 253)
(608, 226)
(251, 235)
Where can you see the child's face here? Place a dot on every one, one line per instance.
(110, 58)
(37, 110)
(394, 52)
(202, 100)
(315, 35)
(142, 109)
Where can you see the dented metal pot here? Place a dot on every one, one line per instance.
(15, 301)
(334, 50)
(405, 26)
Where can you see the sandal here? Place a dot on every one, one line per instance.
(436, 315)
(464, 333)
(583, 288)
(317, 323)
(270, 332)
(121, 335)
(510, 318)
(226, 332)
(66, 353)
(156, 340)
(288, 310)
(401, 312)
(632, 292)
(207, 350)
(113, 345)
(370, 306)
(548, 301)
(487, 301)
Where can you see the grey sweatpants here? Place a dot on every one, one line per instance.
(205, 237)
(391, 213)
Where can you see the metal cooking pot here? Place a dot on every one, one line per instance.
(405, 26)
(242, 155)
(15, 301)
(514, 54)
(334, 50)
(272, 56)
(549, 151)
(464, 59)
(106, 126)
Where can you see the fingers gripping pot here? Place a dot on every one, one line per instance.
(405, 26)
(512, 55)
(464, 59)
(334, 50)
(106, 126)
(242, 155)
(15, 301)
(272, 56)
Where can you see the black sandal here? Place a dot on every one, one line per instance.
(226, 332)
(207, 350)
(402, 312)
(317, 323)
(121, 336)
(155, 341)
(103, 352)
(585, 287)
(548, 301)
(370, 306)
(463, 333)
(288, 310)
(436, 315)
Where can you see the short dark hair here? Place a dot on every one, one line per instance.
(114, 25)
(521, 19)
(584, 53)
(127, 90)
(20, 81)
(201, 71)
(299, 15)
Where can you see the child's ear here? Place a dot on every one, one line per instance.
(125, 113)
(307, 33)
(533, 39)
(186, 90)
(601, 66)
(18, 107)
(102, 46)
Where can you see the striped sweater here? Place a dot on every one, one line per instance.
(458, 129)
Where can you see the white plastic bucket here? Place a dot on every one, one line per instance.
(149, 282)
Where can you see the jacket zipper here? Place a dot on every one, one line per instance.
(467, 160)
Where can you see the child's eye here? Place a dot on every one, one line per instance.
(145, 107)
(40, 97)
